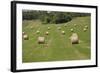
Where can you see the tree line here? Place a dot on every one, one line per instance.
(51, 16)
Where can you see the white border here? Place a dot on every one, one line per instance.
(37, 65)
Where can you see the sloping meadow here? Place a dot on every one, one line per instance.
(57, 46)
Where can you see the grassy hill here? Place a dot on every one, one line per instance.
(57, 47)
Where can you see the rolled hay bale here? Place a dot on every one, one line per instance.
(72, 30)
(25, 37)
(48, 28)
(41, 40)
(37, 31)
(23, 33)
(63, 32)
(84, 29)
(47, 33)
(74, 38)
(59, 28)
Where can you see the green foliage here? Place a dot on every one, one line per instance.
(29, 15)
(61, 18)
(51, 17)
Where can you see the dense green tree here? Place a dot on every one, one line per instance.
(51, 16)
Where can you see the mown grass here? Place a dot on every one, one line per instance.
(57, 47)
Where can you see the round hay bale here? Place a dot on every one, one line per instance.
(74, 38)
(47, 33)
(84, 29)
(41, 40)
(59, 28)
(23, 33)
(63, 32)
(25, 37)
(48, 28)
(72, 30)
(37, 31)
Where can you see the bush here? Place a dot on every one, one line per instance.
(62, 19)
(56, 18)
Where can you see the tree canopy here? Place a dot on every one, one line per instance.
(51, 16)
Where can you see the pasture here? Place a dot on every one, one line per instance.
(57, 46)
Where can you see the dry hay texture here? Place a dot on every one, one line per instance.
(74, 38)
(25, 37)
(41, 40)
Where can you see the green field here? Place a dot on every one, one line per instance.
(57, 47)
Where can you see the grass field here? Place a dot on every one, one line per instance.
(57, 47)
